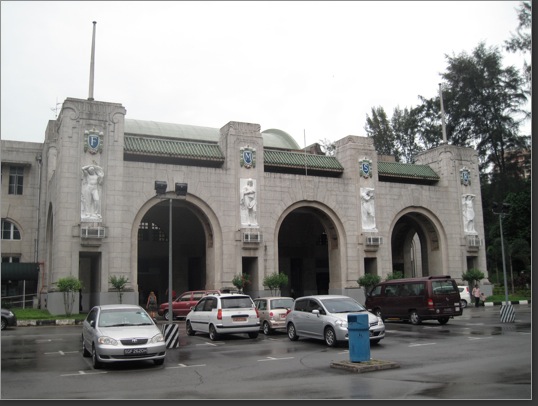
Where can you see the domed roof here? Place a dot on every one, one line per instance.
(273, 138)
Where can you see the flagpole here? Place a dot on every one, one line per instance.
(442, 115)
(90, 96)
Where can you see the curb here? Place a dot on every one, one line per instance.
(511, 302)
(61, 322)
(365, 366)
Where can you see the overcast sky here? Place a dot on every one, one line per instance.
(306, 67)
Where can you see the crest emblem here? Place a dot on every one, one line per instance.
(465, 175)
(247, 157)
(93, 141)
(365, 168)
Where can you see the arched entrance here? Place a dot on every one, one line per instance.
(192, 249)
(416, 244)
(309, 250)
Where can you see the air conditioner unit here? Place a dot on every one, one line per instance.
(473, 241)
(374, 240)
(92, 232)
(252, 237)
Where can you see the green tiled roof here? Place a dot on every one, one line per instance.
(399, 170)
(297, 160)
(163, 147)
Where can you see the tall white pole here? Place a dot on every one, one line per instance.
(170, 306)
(90, 96)
(442, 115)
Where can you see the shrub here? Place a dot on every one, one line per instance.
(118, 283)
(69, 285)
(275, 281)
(240, 281)
(368, 281)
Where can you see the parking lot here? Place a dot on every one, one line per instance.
(474, 356)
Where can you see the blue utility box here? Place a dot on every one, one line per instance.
(359, 337)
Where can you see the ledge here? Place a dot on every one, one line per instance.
(365, 366)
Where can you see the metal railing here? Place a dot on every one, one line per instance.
(20, 301)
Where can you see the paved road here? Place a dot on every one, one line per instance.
(474, 356)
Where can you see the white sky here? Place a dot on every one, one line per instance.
(305, 67)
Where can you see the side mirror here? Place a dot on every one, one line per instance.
(316, 312)
(92, 323)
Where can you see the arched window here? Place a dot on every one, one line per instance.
(10, 231)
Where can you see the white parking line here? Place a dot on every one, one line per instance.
(62, 352)
(478, 338)
(186, 366)
(274, 359)
(211, 344)
(419, 345)
(80, 373)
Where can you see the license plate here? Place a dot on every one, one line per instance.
(135, 351)
(239, 319)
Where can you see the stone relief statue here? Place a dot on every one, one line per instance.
(248, 202)
(368, 208)
(468, 213)
(92, 178)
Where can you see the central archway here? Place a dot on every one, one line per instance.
(310, 249)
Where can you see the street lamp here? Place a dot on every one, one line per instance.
(507, 310)
(171, 331)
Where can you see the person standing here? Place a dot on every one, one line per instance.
(151, 304)
(476, 295)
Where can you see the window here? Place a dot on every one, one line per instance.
(11, 259)
(151, 232)
(10, 231)
(16, 176)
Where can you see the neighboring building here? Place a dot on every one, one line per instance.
(85, 203)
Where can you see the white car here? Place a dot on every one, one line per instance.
(119, 333)
(224, 313)
(465, 296)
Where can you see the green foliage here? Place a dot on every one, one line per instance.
(368, 281)
(275, 281)
(472, 276)
(394, 275)
(240, 281)
(69, 285)
(42, 314)
(119, 283)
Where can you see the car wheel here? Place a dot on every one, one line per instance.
(166, 315)
(292, 334)
(330, 337)
(213, 335)
(253, 335)
(95, 362)
(377, 312)
(159, 361)
(266, 328)
(443, 320)
(414, 318)
(4, 324)
(190, 331)
(85, 352)
(463, 303)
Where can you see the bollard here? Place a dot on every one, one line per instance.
(359, 337)
(171, 335)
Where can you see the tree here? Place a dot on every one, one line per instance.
(521, 41)
(69, 286)
(275, 281)
(118, 283)
(394, 275)
(378, 127)
(240, 281)
(368, 281)
(472, 276)
(327, 146)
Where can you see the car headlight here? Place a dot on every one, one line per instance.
(159, 338)
(107, 340)
(341, 323)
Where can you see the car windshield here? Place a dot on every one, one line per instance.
(339, 305)
(281, 303)
(238, 302)
(124, 317)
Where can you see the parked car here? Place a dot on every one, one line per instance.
(224, 313)
(465, 296)
(119, 333)
(182, 305)
(8, 319)
(273, 311)
(416, 299)
(324, 317)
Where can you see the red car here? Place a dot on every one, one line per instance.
(182, 304)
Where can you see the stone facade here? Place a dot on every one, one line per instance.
(419, 228)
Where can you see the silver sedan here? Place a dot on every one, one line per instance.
(119, 333)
